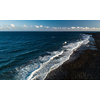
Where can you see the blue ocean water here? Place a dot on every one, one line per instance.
(32, 55)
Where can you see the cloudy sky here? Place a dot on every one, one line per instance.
(49, 25)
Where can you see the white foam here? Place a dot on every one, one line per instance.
(65, 43)
(53, 63)
(50, 62)
(43, 66)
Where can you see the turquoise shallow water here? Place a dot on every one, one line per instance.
(31, 55)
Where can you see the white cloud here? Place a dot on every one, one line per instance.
(25, 26)
(86, 27)
(64, 28)
(73, 27)
(95, 28)
(6, 26)
(46, 26)
(57, 28)
(12, 25)
(0, 27)
(78, 27)
(36, 26)
(83, 28)
(54, 27)
(68, 28)
(41, 26)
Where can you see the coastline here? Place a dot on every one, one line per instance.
(86, 66)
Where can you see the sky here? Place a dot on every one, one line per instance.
(49, 25)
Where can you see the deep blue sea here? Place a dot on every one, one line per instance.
(32, 55)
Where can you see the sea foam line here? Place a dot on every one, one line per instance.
(34, 73)
(42, 65)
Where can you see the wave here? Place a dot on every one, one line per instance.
(44, 64)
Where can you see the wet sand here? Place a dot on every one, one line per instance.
(80, 66)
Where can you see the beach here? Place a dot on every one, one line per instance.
(80, 66)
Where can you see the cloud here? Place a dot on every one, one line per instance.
(86, 27)
(78, 27)
(95, 28)
(54, 27)
(12, 25)
(68, 28)
(25, 26)
(36, 26)
(0, 27)
(6, 26)
(46, 26)
(64, 28)
(41, 26)
(73, 27)
(57, 28)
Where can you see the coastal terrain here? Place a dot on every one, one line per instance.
(85, 67)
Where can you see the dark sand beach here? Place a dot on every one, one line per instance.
(85, 67)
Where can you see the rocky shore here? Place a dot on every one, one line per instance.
(85, 67)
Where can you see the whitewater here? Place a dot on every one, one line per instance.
(51, 61)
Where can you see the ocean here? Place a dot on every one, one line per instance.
(32, 55)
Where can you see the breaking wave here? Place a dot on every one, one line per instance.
(39, 68)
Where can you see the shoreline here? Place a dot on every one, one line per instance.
(83, 67)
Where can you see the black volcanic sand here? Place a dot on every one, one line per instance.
(85, 67)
